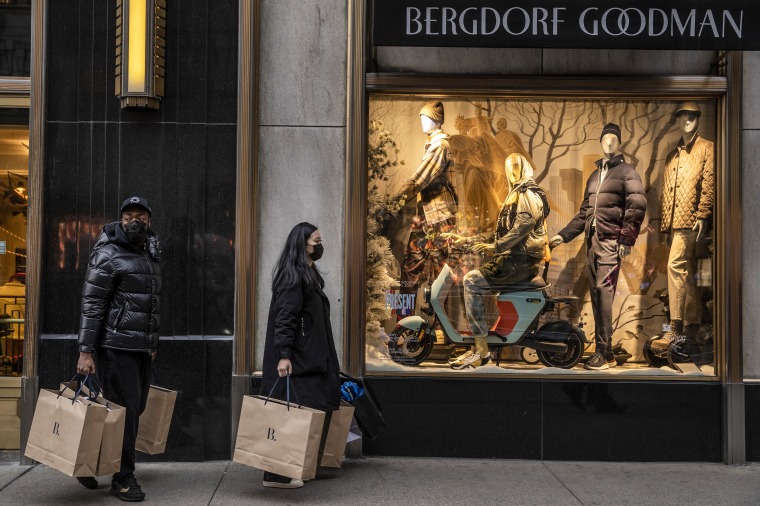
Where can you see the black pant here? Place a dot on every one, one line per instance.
(124, 377)
(603, 269)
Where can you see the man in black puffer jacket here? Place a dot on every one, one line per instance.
(119, 325)
(613, 208)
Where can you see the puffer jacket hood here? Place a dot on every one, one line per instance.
(121, 294)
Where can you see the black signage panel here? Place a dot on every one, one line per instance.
(609, 24)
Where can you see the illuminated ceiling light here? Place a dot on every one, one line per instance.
(140, 52)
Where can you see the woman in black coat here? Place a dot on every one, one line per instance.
(299, 340)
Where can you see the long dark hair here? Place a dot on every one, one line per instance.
(291, 268)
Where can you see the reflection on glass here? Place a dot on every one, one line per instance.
(441, 205)
(15, 37)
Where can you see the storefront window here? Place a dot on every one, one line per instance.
(465, 198)
(14, 162)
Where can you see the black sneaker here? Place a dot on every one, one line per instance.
(272, 480)
(597, 362)
(127, 490)
(88, 482)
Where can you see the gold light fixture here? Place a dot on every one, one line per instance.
(140, 52)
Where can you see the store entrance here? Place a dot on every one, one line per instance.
(14, 177)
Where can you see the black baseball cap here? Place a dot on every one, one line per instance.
(136, 201)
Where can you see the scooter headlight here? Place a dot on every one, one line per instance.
(426, 295)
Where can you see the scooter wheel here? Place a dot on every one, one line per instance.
(570, 337)
(654, 358)
(407, 349)
(681, 352)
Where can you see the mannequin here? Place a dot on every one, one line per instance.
(687, 199)
(430, 179)
(436, 209)
(519, 243)
(610, 216)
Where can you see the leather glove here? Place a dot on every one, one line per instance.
(700, 227)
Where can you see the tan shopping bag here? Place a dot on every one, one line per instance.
(109, 461)
(279, 437)
(156, 420)
(66, 433)
(337, 436)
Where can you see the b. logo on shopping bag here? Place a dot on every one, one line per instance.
(55, 428)
(270, 434)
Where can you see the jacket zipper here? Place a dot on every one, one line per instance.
(303, 330)
(596, 200)
(675, 186)
(119, 316)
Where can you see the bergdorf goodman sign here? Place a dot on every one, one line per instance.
(611, 24)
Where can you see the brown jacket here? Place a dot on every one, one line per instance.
(688, 186)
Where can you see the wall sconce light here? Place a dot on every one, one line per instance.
(140, 52)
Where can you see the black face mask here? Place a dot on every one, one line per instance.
(136, 231)
(318, 251)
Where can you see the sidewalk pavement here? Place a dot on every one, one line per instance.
(409, 481)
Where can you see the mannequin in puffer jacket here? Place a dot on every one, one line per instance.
(119, 326)
(613, 208)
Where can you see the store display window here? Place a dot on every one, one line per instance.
(541, 235)
(14, 198)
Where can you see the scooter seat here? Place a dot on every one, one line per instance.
(534, 284)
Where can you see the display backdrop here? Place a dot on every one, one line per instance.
(561, 137)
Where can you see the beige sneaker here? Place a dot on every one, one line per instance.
(471, 360)
(461, 357)
(474, 360)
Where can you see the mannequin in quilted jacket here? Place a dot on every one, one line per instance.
(687, 205)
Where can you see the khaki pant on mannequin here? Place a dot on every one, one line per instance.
(682, 290)
(481, 346)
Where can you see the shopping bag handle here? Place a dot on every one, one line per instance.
(288, 388)
(86, 380)
(66, 385)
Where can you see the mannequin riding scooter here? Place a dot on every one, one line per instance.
(519, 243)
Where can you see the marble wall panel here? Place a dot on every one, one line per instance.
(301, 178)
(751, 97)
(750, 258)
(303, 62)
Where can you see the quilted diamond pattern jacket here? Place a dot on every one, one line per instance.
(688, 185)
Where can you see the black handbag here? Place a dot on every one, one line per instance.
(367, 413)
